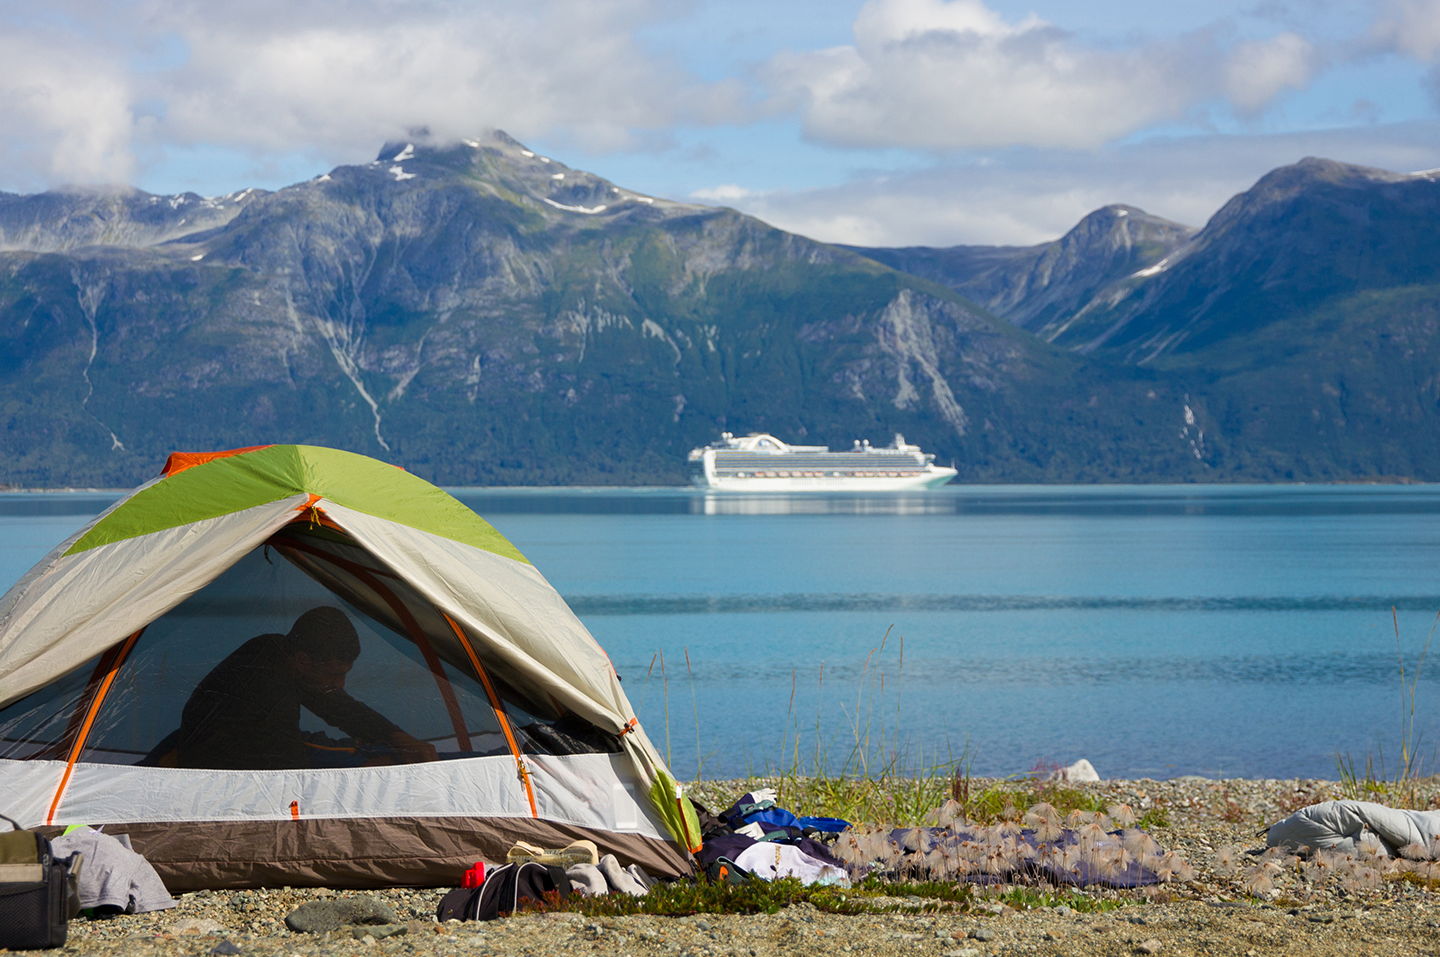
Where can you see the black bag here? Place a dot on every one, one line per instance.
(38, 894)
(504, 888)
(722, 870)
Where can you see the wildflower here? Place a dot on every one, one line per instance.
(1041, 812)
(1137, 843)
(1258, 881)
(1226, 860)
(949, 813)
(1122, 814)
(1089, 834)
(1415, 851)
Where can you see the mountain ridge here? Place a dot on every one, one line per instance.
(485, 315)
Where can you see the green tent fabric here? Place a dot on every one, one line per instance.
(272, 473)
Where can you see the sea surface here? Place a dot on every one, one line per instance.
(1155, 630)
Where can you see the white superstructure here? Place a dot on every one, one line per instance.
(762, 463)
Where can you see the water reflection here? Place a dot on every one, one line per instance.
(730, 503)
(1079, 500)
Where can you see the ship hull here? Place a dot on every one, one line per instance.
(844, 483)
(760, 462)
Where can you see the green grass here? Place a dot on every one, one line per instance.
(1408, 786)
(754, 896)
(870, 896)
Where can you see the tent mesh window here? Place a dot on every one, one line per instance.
(219, 682)
(307, 653)
(539, 724)
(43, 725)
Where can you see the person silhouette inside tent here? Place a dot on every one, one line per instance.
(245, 714)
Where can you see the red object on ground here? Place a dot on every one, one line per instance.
(475, 876)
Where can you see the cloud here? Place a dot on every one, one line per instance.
(725, 193)
(1032, 196)
(66, 109)
(954, 75)
(334, 77)
(1257, 72)
(1410, 27)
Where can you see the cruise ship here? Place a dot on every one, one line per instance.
(762, 463)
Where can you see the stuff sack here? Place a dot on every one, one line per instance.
(504, 888)
(38, 894)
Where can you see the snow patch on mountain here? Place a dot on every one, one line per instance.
(587, 210)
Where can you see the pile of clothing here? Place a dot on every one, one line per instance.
(756, 837)
(115, 879)
(590, 874)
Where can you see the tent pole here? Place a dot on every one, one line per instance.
(95, 702)
(499, 707)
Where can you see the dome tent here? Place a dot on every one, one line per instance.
(462, 644)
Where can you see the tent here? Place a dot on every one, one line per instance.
(500, 717)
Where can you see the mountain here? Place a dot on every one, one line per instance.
(1036, 287)
(481, 314)
(117, 216)
(1303, 321)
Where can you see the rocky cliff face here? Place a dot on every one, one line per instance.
(116, 216)
(1303, 321)
(1303, 235)
(481, 314)
(1040, 287)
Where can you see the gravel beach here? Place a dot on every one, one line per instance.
(1212, 914)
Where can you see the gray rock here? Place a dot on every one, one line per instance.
(1151, 946)
(223, 949)
(380, 931)
(982, 933)
(318, 917)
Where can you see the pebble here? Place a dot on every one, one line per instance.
(1151, 946)
(197, 925)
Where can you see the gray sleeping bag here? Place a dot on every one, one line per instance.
(1345, 825)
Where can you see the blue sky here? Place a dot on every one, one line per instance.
(888, 122)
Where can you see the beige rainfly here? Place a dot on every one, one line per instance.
(464, 645)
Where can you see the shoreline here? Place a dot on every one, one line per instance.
(1375, 480)
(1210, 914)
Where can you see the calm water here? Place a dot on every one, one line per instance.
(1157, 631)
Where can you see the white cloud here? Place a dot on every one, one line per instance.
(954, 75)
(1259, 71)
(1037, 195)
(335, 77)
(1411, 27)
(65, 110)
(725, 193)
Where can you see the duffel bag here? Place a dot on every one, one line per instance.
(38, 894)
